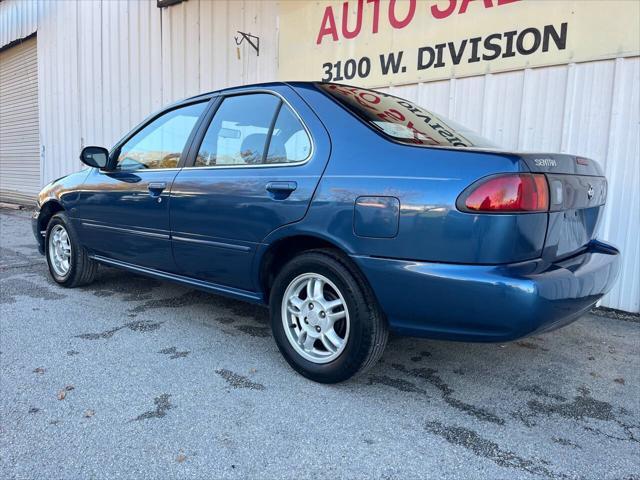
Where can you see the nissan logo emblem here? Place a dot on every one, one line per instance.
(590, 192)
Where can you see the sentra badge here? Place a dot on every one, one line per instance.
(545, 162)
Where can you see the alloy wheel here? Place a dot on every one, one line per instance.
(315, 318)
(60, 250)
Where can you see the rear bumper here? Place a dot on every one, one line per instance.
(489, 303)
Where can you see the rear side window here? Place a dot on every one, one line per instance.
(160, 143)
(289, 141)
(402, 120)
(253, 129)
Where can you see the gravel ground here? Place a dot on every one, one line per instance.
(135, 378)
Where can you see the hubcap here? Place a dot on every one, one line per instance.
(315, 318)
(60, 250)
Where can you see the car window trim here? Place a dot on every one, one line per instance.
(267, 144)
(208, 118)
(115, 151)
(201, 131)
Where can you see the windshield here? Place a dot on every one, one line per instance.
(402, 120)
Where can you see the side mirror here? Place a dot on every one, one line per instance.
(97, 157)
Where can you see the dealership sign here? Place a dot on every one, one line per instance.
(382, 42)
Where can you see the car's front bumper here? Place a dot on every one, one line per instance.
(489, 303)
(35, 227)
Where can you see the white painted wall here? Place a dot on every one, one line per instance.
(106, 64)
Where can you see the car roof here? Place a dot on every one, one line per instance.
(252, 86)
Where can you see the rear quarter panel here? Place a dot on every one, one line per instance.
(427, 182)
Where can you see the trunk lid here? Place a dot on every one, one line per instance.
(577, 195)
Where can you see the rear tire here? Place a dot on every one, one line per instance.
(68, 261)
(324, 317)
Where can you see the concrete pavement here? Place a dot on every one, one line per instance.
(134, 378)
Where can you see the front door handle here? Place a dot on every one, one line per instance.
(156, 188)
(281, 187)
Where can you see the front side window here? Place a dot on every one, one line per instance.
(160, 143)
(253, 129)
(402, 120)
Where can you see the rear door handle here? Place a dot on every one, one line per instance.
(281, 187)
(156, 188)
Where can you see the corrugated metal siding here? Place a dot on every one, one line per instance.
(590, 109)
(622, 167)
(123, 59)
(19, 140)
(17, 20)
(60, 132)
(109, 63)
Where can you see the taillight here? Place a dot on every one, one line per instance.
(520, 192)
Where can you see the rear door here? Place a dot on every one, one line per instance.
(253, 168)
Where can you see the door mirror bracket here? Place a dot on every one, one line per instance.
(97, 157)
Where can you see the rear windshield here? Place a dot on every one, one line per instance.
(402, 120)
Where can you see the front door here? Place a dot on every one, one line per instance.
(123, 213)
(256, 168)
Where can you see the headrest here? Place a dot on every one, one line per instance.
(253, 148)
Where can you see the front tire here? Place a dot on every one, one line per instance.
(324, 317)
(68, 261)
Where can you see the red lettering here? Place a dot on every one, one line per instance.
(465, 4)
(393, 113)
(395, 23)
(345, 20)
(353, 92)
(419, 136)
(440, 13)
(328, 26)
(376, 15)
(361, 101)
(439, 10)
(437, 13)
(372, 97)
(339, 89)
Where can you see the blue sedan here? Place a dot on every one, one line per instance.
(349, 212)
